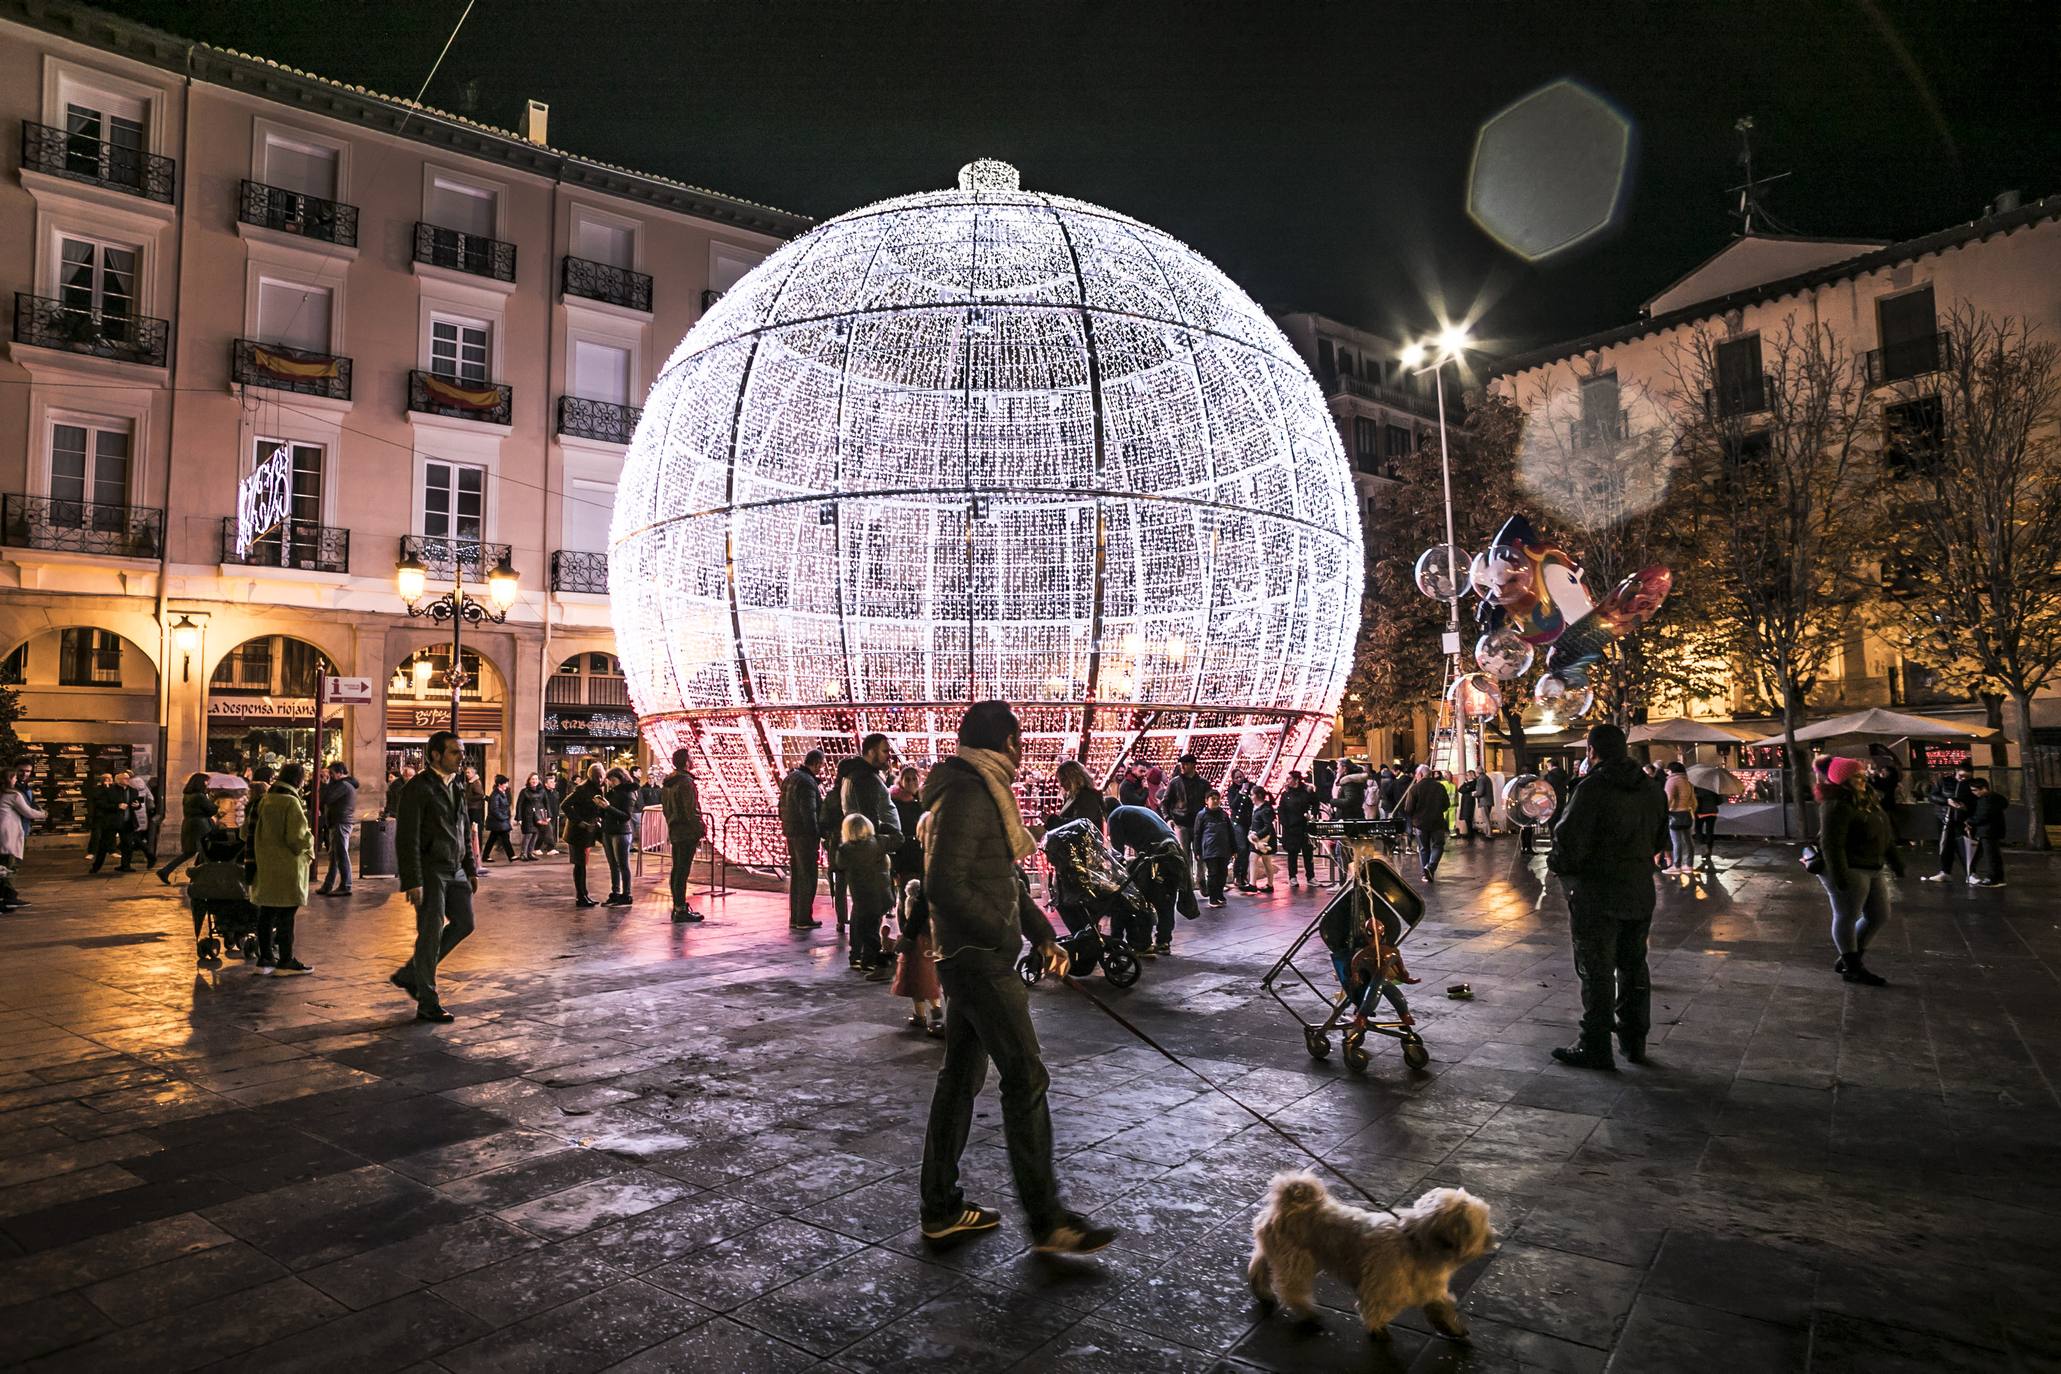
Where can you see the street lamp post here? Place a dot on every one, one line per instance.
(1451, 343)
(503, 586)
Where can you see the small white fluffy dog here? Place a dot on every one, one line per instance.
(1391, 1262)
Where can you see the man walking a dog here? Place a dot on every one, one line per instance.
(1603, 851)
(980, 914)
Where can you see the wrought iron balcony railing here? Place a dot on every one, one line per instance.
(291, 212)
(597, 281)
(75, 157)
(603, 420)
(1902, 358)
(311, 548)
(572, 571)
(574, 689)
(443, 557)
(291, 369)
(46, 323)
(490, 403)
(709, 299)
(46, 522)
(1748, 397)
(462, 252)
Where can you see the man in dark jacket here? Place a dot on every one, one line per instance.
(680, 801)
(1390, 790)
(1132, 791)
(1295, 809)
(105, 807)
(800, 798)
(859, 787)
(1238, 801)
(433, 853)
(1183, 803)
(981, 912)
(1985, 826)
(339, 805)
(1603, 851)
(1164, 876)
(1425, 804)
(1953, 798)
(1556, 778)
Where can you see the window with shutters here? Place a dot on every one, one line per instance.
(294, 314)
(97, 276)
(302, 167)
(1909, 325)
(614, 245)
(1741, 387)
(89, 474)
(601, 372)
(89, 658)
(471, 210)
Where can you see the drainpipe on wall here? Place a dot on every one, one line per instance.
(164, 540)
(547, 667)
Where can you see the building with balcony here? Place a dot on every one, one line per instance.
(440, 333)
(1383, 412)
(1886, 303)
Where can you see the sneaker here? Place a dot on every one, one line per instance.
(970, 1218)
(1149, 952)
(803, 925)
(1935, 877)
(686, 915)
(620, 899)
(1991, 882)
(1974, 881)
(288, 967)
(266, 970)
(1216, 901)
(433, 1013)
(1163, 947)
(1075, 1236)
(1586, 1057)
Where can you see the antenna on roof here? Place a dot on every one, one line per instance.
(1751, 203)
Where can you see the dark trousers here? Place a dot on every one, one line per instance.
(101, 844)
(683, 843)
(1431, 847)
(579, 869)
(1241, 861)
(840, 899)
(1987, 861)
(866, 935)
(1951, 851)
(616, 845)
(987, 1016)
(801, 882)
(275, 933)
(1610, 929)
(1294, 842)
(442, 919)
(499, 837)
(1213, 874)
(169, 869)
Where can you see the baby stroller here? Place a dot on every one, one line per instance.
(1370, 917)
(1088, 883)
(219, 892)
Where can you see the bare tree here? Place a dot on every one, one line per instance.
(1597, 459)
(1971, 494)
(1771, 432)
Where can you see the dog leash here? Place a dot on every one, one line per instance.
(1113, 1014)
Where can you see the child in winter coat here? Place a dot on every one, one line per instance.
(1216, 841)
(915, 971)
(864, 864)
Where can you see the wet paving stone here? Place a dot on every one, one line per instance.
(633, 1128)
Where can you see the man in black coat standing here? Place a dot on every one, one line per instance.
(685, 830)
(1183, 803)
(980, 914)
(800, 797)
(1603, 851)
(339, 807)
(433, 854)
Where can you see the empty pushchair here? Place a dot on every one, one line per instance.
(218, 890)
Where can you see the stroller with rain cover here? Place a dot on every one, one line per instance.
(1088, 883)
(1362, 927)
(218, 890)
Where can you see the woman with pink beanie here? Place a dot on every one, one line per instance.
(1856, 842)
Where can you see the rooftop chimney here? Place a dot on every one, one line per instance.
(536, 122)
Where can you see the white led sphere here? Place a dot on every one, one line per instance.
(984, 443)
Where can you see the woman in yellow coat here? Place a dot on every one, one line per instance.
(283, 847)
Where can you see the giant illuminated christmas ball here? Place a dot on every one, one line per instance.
(984, 443)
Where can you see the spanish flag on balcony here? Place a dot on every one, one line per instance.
(464, 397)
(294, 365)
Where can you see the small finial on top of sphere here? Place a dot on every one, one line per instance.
(989, 174)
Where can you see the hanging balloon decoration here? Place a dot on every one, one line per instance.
(1533, 597)
(1437, 569)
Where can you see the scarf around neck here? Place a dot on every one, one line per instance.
(999, 774)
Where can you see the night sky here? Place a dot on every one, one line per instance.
(1317, 152)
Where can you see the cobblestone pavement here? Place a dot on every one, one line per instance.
(648, 1147)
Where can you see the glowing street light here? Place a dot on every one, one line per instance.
(1453, 341)
(411, 579)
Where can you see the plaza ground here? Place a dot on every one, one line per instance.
(647, 1147)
